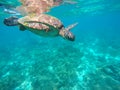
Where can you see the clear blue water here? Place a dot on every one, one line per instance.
(91, 62)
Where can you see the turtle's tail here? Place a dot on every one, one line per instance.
(11, 21)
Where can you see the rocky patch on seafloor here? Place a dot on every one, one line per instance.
(66, 67)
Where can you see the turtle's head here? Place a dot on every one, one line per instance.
(11, 21)
(66, 34)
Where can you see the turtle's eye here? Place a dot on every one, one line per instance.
(62, 26)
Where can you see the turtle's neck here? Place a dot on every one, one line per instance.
(62, 32)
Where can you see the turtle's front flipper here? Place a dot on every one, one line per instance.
(71, 26)
(50, 26)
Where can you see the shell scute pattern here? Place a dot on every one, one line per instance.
(41, 18)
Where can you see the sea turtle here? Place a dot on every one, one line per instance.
(42, 25)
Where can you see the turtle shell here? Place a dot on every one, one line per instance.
(43, 24)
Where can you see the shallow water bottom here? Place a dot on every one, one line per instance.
(89, 65)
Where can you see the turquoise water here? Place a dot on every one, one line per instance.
(91, 62)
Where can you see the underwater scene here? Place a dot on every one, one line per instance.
(90, 62)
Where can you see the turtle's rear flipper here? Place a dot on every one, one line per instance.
(11, 21)
(22, 28)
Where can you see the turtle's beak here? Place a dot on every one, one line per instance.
(69, 36)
